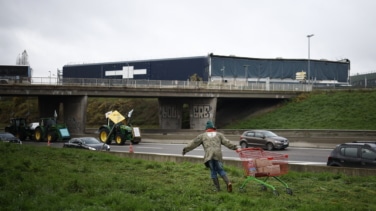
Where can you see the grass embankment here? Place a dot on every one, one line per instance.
(347, 109)
(43, 178)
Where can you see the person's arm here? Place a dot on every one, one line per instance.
(228, 143)
(193, 144)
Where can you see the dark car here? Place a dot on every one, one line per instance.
(89, 143)
(264, 139)
(359, 154)
(8, 137)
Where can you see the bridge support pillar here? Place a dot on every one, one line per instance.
(170, 113)
(200, 111)
(70, 110)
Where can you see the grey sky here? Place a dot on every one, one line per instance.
(58, 32)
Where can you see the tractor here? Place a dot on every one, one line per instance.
(19, 128)
(120, 132)
(49, 130)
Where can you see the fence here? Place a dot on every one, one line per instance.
(165, 84)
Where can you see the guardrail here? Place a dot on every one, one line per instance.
(166, 84)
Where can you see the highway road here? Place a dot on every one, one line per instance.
(296, 155)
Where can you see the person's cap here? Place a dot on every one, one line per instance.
(209, 124)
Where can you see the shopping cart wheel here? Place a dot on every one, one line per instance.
(275, 192)
(263, 188)
(288, 191)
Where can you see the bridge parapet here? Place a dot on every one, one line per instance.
(169, 84)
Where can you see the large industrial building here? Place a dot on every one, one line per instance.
(219, 68)
(10, 74)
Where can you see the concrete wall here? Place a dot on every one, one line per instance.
(75, 113)
(200, 111)
(238, 164)
(71, 110)
(170, 113)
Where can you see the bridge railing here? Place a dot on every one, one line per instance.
(165, 84)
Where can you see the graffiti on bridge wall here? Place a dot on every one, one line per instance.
(201, 111)
(169, 112)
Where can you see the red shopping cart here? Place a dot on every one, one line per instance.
(259, 163)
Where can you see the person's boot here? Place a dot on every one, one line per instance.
(228, 183)
(216, 184)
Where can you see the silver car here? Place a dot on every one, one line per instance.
(89, 143)
(8, 137)
(264, 139)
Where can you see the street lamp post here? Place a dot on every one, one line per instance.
(223, 73)
(246, 73)
(309, 56)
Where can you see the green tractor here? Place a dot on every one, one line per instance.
(19, 128)
(119, 130)
(49, 130)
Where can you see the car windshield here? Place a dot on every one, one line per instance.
(269, 134)
(90, 141)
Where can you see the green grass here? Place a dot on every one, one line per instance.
(43, 178)
(348, 109)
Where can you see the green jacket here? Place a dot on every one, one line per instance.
(211, 142)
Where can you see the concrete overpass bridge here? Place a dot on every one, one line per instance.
(202, 97)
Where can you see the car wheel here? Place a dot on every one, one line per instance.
(334, 164)
(269, 146)
(243, 145)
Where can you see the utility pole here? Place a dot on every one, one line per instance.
(309, 56)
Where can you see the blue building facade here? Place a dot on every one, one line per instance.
(216, 68)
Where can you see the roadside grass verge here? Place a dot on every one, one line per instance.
(43, 178)
(344, 109)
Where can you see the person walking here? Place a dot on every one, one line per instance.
(211, 140)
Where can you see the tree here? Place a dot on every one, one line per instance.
(195, 77)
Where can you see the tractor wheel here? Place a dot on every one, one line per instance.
(51, 137)
(119, 139)
(21, 136)
(38, 134)
(103, 133)
(136, 140)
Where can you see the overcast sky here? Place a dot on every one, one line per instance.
(59, 32)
